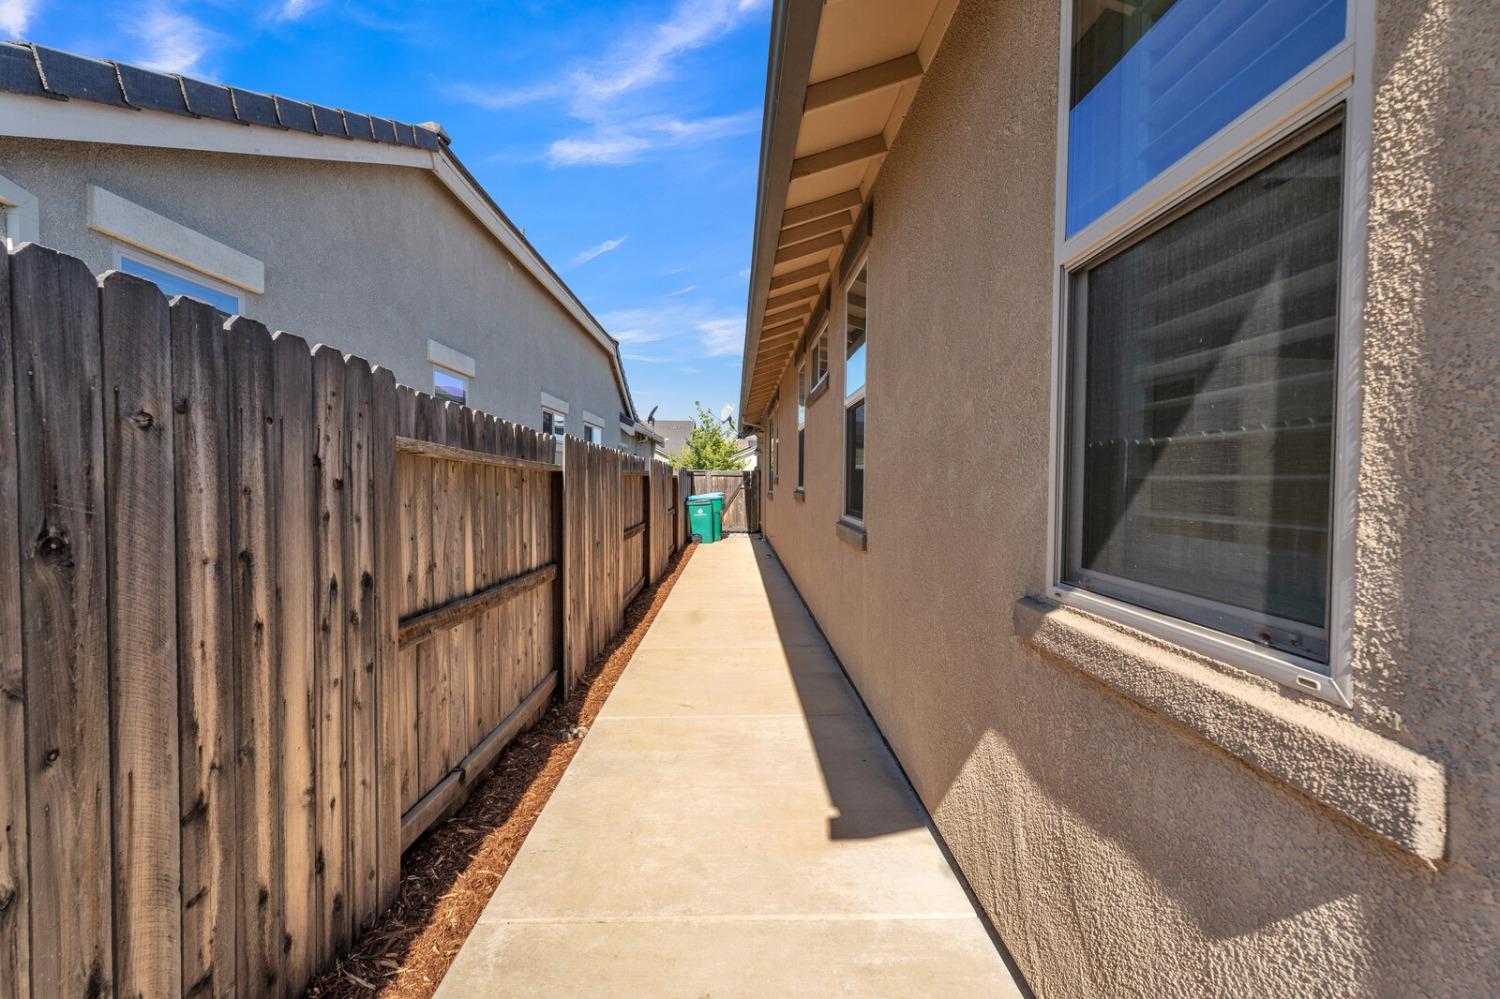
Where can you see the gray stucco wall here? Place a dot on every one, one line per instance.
(371, 259)
(1117, 851)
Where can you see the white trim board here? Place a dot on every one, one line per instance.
(446, 357)
(553, 403)
(135, 225)
(23, 221)
(80, 121)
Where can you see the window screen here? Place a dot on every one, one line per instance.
(854, 460)
(1203, 404)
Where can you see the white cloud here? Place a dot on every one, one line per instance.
(678, 320)
(597, 251)
(680, 291)
(16, 15)
(721, 337)
(620, 127)
(173, 42)
(624, 141)
(641, 62)
(292, 10)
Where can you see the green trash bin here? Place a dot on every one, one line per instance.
(705, 517)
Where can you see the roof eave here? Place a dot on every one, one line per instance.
(794, 35)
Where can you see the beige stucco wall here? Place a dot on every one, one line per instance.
(372, 259)
(1118, 852)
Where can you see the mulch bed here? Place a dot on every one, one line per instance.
(449, 875)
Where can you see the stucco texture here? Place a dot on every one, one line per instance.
(1117, 851)
(371, 259)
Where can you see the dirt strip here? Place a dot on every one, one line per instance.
(448, 876)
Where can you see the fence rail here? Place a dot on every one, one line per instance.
(265, 616)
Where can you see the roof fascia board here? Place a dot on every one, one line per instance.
(794, 35)
(457, 180)
(83, 121)
(80, 121)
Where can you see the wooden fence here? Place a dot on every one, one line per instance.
(265, 616)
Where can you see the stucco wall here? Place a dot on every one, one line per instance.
(371, 259)
(1117, 852)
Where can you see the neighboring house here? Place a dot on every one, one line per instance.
(674, 436)
(352, 230)
(749, 452)
(1166, 556)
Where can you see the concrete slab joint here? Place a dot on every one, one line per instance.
(1377, 783)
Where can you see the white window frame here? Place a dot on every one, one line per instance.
(558, 408)
(22, 217)
(595, 422)
(819, 353)
(850, 401)
(454, 362)
(1342, 76)
(187, 253)
(119, 251)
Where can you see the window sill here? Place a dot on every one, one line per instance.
(1373, 781)
(799, 495)
(852, 532)
(816, 391)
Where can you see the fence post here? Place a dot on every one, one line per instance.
(390, 737)
(561, 556)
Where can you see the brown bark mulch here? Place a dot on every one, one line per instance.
(449, 875)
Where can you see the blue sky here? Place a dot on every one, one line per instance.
(622, 135)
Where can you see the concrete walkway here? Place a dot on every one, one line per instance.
(732, 826)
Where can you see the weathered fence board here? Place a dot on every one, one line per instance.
(15, 954)
(59, 437)
(264, 616)
(141, 530)
(330, 677)
(205, 633)
(253, 487)
(295, 515)
(360, 641)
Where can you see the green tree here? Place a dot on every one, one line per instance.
(710, 444)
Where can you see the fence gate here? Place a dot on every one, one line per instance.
(739, 512)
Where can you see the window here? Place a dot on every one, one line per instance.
(1153, 79)
(802, 376)
(593, 428)
(854, 395)
(817, 364)
(449, 385)
(773, 438)
(175, 282)
(1203, 442)
(1203, 332)
(20, 215)
(554, 422)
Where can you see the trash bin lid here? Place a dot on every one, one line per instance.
(706, 496)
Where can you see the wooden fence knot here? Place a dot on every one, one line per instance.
(143, 419)
(7, 896)
(52, 546)
(51, 756)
